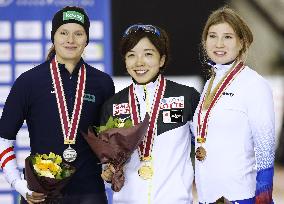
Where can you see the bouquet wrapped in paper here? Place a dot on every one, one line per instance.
(47, 174)
(114, 146)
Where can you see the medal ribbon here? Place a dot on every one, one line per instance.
(69, 127)
(202, 127)
(145, 147)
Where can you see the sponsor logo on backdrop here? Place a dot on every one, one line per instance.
(60, 3)
(4, 3)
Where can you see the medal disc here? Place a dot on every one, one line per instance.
(145, 172)
(200, 153)
(69, 154)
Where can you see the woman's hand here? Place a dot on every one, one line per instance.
(35, 197)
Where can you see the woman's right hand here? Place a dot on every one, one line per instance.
(35, 197)
(30, 196)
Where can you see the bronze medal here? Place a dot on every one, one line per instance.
(146, 172)
(200, 153)
(208, 102)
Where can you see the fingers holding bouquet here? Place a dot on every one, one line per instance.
(108, 172)
(35, 197)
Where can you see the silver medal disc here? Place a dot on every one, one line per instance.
(69, 154)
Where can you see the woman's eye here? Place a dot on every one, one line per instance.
(130, 55)
(212, 36)
(63, 33)
(148, 54)
(79, 34)
(228, 37)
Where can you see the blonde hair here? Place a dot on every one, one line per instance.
(228, 15)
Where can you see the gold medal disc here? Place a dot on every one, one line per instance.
(145, 172)
(200, 153)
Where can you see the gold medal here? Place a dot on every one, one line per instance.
(200, 153)
(146, 172)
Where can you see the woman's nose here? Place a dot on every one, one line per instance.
(220, 42)
(139, 61)
(70, 38)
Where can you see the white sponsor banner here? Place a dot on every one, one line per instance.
(21, 156)
(21, 68)
(96, 30)
(28, 52)
(7, 199)
(4, 92)
(48, 27)
(5, 51)
(99, 66)
(4, 185)
(94, 51)
(5, 27)
(23, 139)
(5, 73)
(28, 30)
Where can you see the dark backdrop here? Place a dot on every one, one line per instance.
(182, 19)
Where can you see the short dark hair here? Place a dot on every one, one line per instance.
(160, 40)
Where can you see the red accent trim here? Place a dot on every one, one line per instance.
(9, 158)
(9, 149)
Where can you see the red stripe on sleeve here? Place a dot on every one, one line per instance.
(6, 151)
(9, 158)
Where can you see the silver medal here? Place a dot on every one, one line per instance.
(69, 154)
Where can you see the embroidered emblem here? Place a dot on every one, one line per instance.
(120, 109)
(172, 116)
(89, 97)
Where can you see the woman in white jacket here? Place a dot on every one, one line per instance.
(160, 170)
(234, 121)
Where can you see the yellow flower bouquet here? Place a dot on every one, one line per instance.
(47, 174)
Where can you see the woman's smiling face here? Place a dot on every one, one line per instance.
(222, 43)
(143, 61)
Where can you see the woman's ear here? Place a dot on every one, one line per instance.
(162, 60)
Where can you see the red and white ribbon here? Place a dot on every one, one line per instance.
(69, 127)
(203, 126)
(145, 148)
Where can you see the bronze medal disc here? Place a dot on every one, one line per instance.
(200, 153)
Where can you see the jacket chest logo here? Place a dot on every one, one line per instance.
(120, 109)
(228, 94)
(172, 103)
